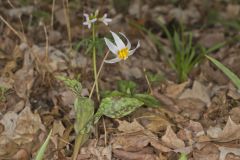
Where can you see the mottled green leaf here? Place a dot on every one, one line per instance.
(147, 99)
(117, 107)
(127, 86)
(72, 84)
(113, 94)
(84, 108)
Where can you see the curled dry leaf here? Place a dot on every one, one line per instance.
(229, 133)
(198, 91)
(127, 127)
(208, 152)
(171, 139)
(95, 153)
(225, 150)
(152, 120)
(24, 78)
(145, 154)
(136, 141)
(174, 90)
(21, 128)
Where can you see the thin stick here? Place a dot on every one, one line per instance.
(52, 16)
(105, 132)
(16, 32)
(148, 82)
(10, 3)
(66, 15)
(94, 84)
(47, 43)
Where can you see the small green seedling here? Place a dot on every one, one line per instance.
(185, 55)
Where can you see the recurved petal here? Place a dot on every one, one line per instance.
(118, 41)
(111, 46)
(128, 42)
(114, 60)
(93, 20)
(133, 50)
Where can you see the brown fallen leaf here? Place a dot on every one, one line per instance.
(174, 90)
(226, 150)
(152, 120)
(93, 152)
(171, 139)
(23, 127)
(141, 155)
(208, 152)
(22, 154)
(127, 127)
(198, 91)
(24, 77)
(229, 133)
(191, 107)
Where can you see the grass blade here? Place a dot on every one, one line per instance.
(43, 148)
(232, 76)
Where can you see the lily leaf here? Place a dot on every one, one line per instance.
(127, 86)
(84, 108)
(117, 107)
(147, 99)
(73, 84)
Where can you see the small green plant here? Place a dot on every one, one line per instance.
(43, 148)
(185, 54)
(232, 76)
(115, 104)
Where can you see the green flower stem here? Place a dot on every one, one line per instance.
(77, 146)
(94, 61)
(99, 71)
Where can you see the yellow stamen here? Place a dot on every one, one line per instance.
(123, 53)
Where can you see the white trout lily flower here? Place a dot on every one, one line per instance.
(105, 20)
(89, 20)
(121, 50)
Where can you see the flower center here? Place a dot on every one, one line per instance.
(123, 53)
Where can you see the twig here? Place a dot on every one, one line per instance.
(148, 82)
(66, 15)
(105, 132)
(52, 16)
(22, 38)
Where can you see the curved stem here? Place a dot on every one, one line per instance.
(95, 61)
(77, 146)
(99, 71)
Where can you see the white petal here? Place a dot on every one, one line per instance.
(118, 41)
(86, 16)
(93, 20)
(111, 46)
(133, 50)
(114, 60)
(85, 23)
(128, 42)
